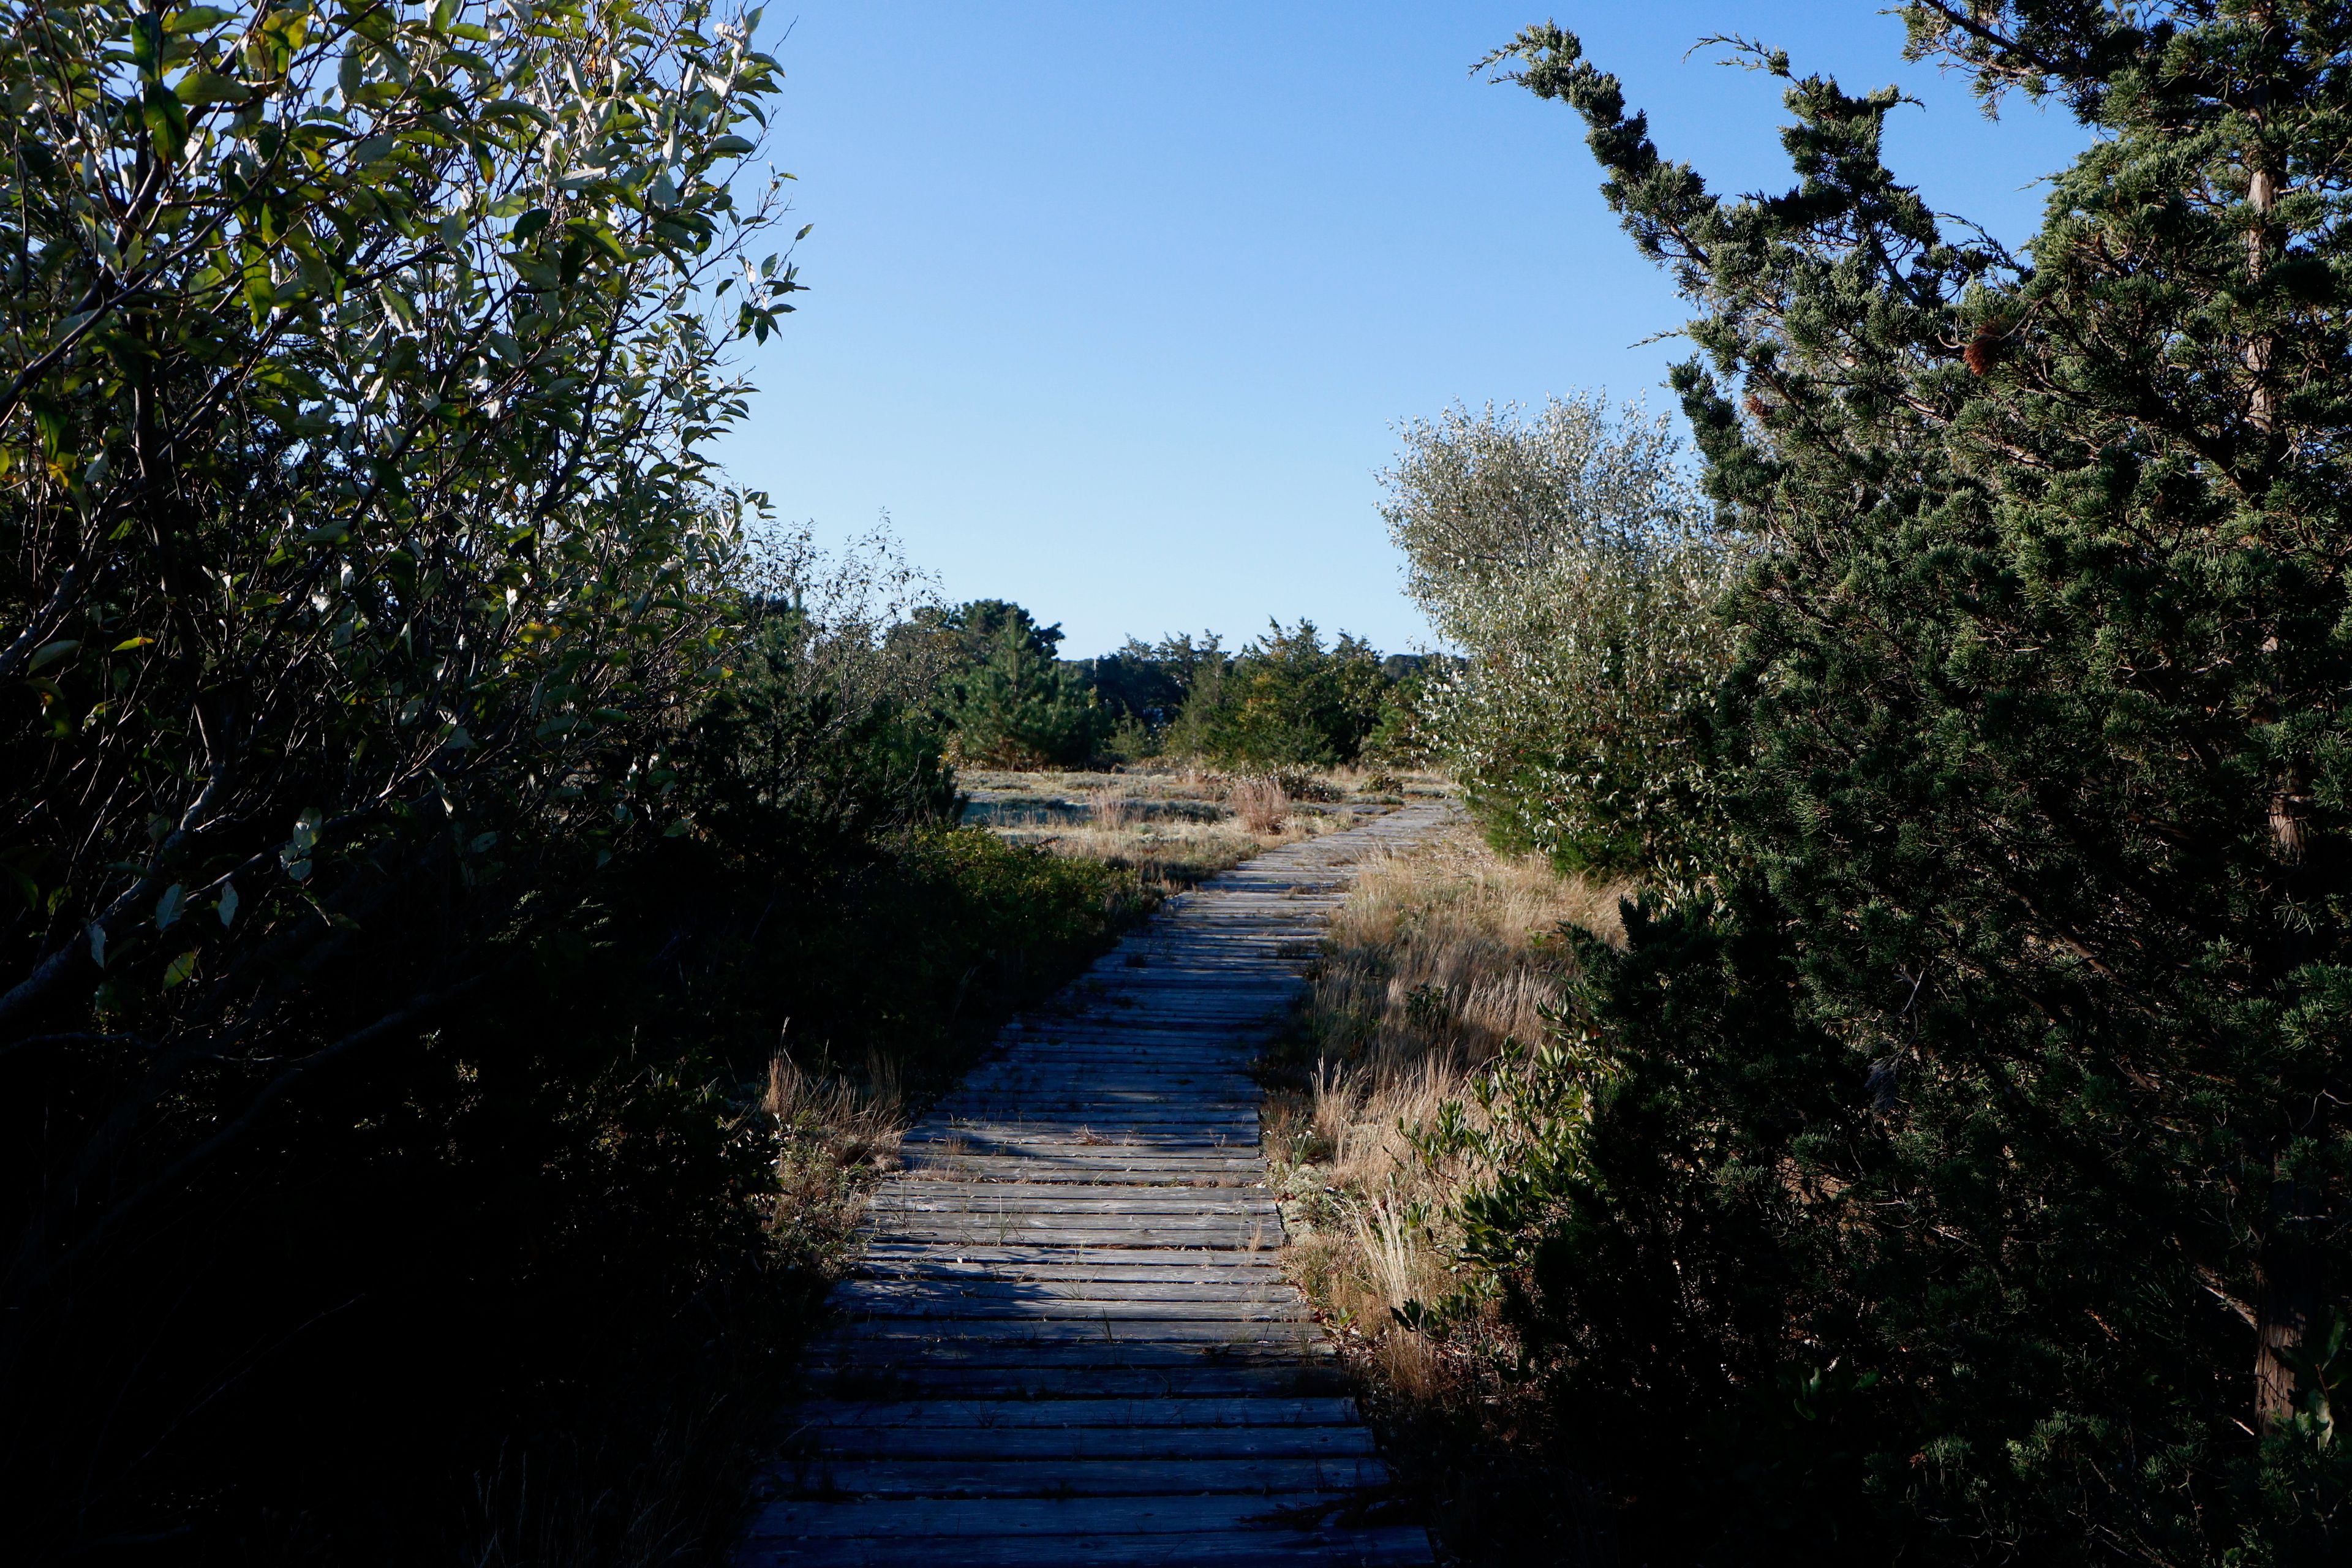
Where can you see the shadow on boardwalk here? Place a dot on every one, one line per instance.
(1071, 1342)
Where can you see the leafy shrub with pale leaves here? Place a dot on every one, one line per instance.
(1567, 553)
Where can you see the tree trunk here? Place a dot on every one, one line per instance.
(2289, 1299)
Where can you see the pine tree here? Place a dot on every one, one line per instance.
(1968, 1179)
(1020, 707)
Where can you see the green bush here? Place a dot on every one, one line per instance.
(420, 809)
(1568, 555)
(1285, 699)
(1145, 687)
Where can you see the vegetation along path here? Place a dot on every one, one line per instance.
(1072, 1341)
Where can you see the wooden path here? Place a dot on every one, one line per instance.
(1071, 1342)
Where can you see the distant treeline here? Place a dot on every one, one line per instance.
(1007, 699)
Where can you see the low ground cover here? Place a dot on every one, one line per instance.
(1173, 825)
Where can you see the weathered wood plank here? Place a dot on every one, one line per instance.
(1388, 1547)
(1039, 1516)
(1067, 1443)
(1016, 1414)
(912, 1480)
(1080, 1261)
(1197, 1378)
(1166, 1329)
(867, 1294)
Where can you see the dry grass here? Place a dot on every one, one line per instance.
(1442, 955)
(1178, 825)
(1113, 811)
(835, 1133)
(1262, 805)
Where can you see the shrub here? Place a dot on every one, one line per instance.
(1286, 699)
(1006, 698)
(1569, 556)
(423, 811)
(1146, 686)
(361, 550)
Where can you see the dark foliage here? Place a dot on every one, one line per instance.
(1967, 1181)
(414, 844)
(1146, 685)
(1288, 700)
(1006, 698)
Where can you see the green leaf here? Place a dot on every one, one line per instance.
(98, 944)
(166, 120)
(732, 146)
(179, 969)
(204, 87)
(127, 644)
(168, 907)
(531, 223)
(50, 652)
(228, 902)
(147, 44)
(196, 19)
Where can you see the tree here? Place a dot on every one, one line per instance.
(1144, 686)
(1969, 1178)
(1570, 556)
(1009, 699)
(1288, 700)
(360, 547)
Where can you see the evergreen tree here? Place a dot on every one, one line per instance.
(1020, 707)
(1146, 685)
(1288, 700)
(1966, 1180)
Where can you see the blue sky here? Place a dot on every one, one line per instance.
(1114, 306)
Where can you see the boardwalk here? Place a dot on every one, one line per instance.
(1072, 1342)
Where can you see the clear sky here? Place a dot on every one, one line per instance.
(1114, 306)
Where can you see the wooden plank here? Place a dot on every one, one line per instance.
(867, 1295)
(915, 1480)
(1087, 1443)
(1032, 1517)
(1188, 1227)
(1007, 1197)
(1125, 1197)
(1388, 1547)
(945, 1308)
(1017, 1415)
(998, 1331)
(1237, 1267)
(1046, 1262)
(1180, 1381)
(921, 1364)
(1077, 1162)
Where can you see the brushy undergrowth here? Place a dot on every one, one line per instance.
(1441, 966)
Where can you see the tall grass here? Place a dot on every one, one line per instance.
(1261, 804)
(1444, 957)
